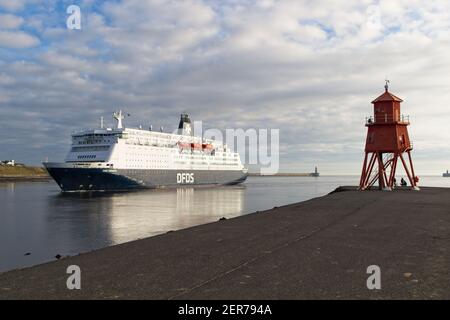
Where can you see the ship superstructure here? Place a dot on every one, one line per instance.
(124, 158)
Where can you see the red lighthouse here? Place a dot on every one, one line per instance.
(387, 141)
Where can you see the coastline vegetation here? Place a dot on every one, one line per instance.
(22, 172)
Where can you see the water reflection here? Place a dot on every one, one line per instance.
(36, 218)
(120, 217)
(129, 216)
(37, 221)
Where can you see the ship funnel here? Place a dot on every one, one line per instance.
(185, 127)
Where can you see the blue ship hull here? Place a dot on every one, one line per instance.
(71, 179)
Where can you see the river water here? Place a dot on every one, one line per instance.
(38, 222)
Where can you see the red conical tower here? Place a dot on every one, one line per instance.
(387, 141)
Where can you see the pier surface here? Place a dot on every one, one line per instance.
(319, 248)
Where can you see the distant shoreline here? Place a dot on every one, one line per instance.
(22, 173)
(24, 178)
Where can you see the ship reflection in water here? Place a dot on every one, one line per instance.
(38, 223)
(133, 215)
(103, 219)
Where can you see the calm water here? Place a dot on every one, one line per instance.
(36, 218)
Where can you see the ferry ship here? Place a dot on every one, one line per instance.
(114, 159)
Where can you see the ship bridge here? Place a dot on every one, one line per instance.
(93, 145)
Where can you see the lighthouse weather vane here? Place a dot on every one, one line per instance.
(386, 86)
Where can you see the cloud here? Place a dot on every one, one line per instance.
(307, 68)
(17, 40)
(10, 21)
(13, 5)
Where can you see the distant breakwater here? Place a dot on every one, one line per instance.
(304, 174)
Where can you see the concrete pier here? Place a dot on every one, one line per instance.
(320, 248)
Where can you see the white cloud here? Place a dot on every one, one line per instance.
(13, 5)
(10, 21)
(5, 79)
(17, 40)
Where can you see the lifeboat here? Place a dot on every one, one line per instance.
(196, 146)
(184, 145)
(207, 146)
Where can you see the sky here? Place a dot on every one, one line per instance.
(307, 68)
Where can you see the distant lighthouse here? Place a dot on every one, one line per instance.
(387, 141)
